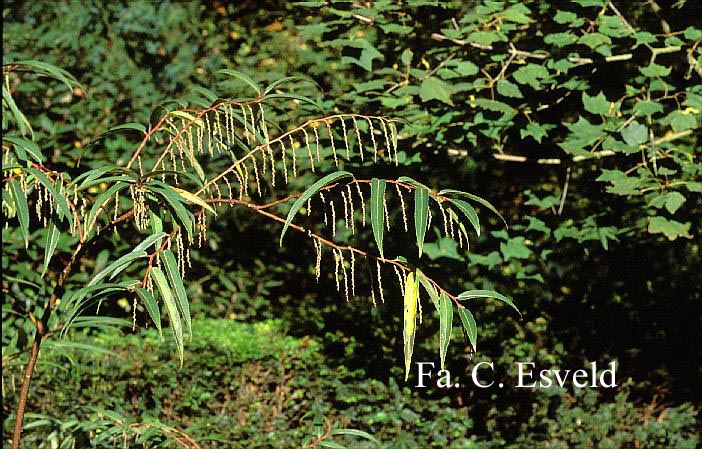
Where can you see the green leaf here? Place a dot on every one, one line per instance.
(300, 98)
(20, 202)
(468, 294)
(26, 145)
(176, 282)
(635, 134)
(654, 70)
(670, 228)
(515, 248)
(185, 218)
(433, 88)
(52, 236)
(331, 445)
(60, 199)
(119, 129)
(597, 104)
(288, 79)
(241, 76)
(421, 216)
(409, 327)
(307, 194)
(22, 122)
(171, 307)
(445, 326)
(508, 89)
(100, 201)
(151, 307)
(535, 130)
(466, 68)
(121, 262)
(46, 69)
(194, 199)
(356, 433)
(469, 212)
(377, 211)
(429, 287)
(469, 326)
(594, 40)
(475, 198)
(531, 74)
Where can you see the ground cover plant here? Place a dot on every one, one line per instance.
(328, 165)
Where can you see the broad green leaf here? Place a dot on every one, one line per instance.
(469, 326)
(635, 134)
(151, 307)
(410, 319)
(176, 282)
(171, 307)
(469, 212)
(597, 104)
(654, 70)
(307, 194)
(377, 211)
(236, 74)
(433, 88)
(475, 198)
(445, 326)
(20, 202)
(468, 294)
(508, 89)
(670, 228)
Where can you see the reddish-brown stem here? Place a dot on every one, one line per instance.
(24, 391)
(199, 112)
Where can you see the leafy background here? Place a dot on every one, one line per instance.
(580, 121)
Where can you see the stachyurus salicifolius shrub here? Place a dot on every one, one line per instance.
(193, 163)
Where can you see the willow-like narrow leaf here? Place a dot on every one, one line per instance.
(468, 294)
(377, 209)
(475, 198)
(22, 208)
(469, 212)
(52, 236)
(307, 194)
(469, 326)
(167, 295)
(410, 319)
(176, 282)
(445, 326)
(421, 216)
(429, 287)
(151, 307)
